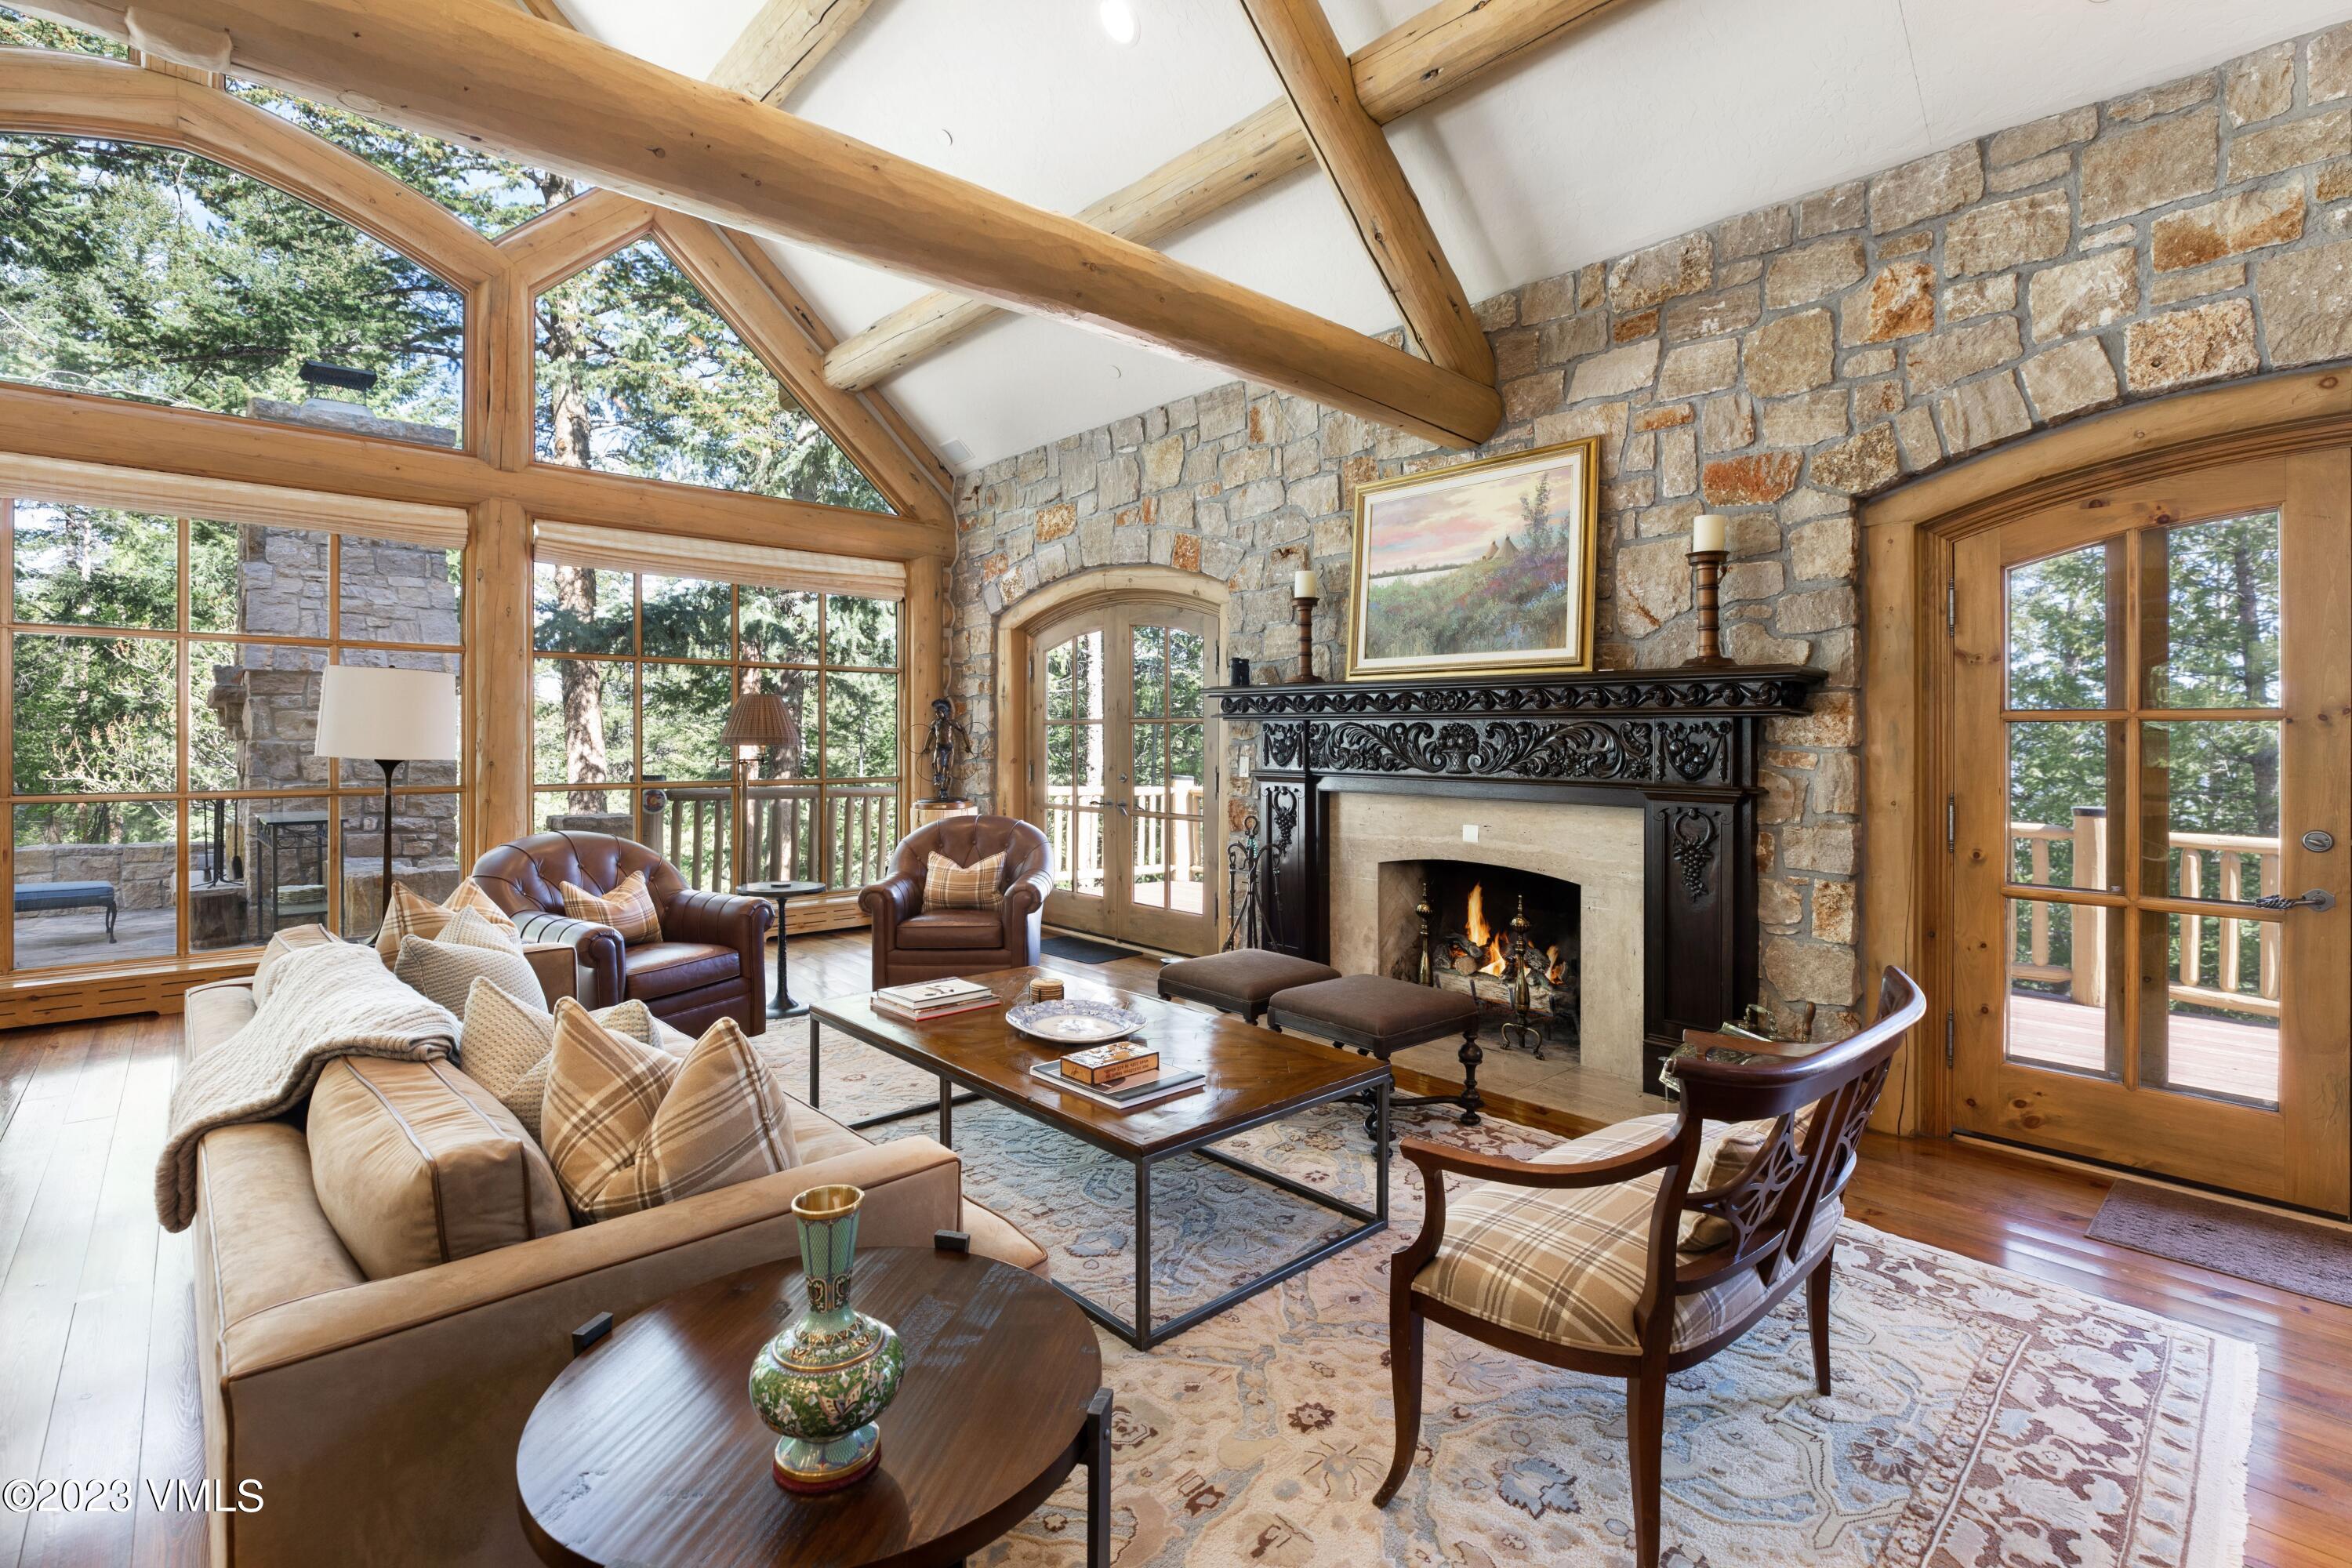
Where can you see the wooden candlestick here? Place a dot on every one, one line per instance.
(1706, 574)
(1305, 610)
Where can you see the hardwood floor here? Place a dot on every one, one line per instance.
(97, 1313)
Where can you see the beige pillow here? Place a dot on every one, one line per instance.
(445, 971)
(414, 1164)
(629, 1127)
(948, 886)
(410, 915)
(628, 909)
(506, 1042)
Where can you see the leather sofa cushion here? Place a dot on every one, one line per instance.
(952, 929)
(666, 968)
(270, 1244)
(416, 1164)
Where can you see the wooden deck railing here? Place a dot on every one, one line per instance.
(785, 839)
(2236, 858)
(1165, 817)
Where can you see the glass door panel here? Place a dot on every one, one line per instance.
(1075, 722)
(2139, 661)
(1121, 734)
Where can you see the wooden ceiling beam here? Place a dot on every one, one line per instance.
(494, 77)
(1363, 168)
(782, 44)
(1433, 56)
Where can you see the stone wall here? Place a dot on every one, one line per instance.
(1777, 366)
(269, 698)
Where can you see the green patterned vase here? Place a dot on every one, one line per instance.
(824, 1379)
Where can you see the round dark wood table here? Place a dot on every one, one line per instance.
(646, 1450)
(782, 1005)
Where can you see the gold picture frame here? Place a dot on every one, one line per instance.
(1484, 568)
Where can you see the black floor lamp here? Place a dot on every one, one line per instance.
(393, 716)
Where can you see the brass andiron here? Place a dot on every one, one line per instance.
(1427, 974)
(1519, 960)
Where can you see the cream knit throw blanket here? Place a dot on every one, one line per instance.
(335, 1000)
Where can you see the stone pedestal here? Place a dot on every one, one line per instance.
(925, 812)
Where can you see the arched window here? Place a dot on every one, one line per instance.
(487, 192)
(145, 272)
(638, 374)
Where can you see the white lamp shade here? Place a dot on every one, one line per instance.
(389, 715)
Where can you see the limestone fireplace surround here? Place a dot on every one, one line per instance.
(1373, 837)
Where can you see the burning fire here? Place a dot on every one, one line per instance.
(1496, 945)
(1476, 933)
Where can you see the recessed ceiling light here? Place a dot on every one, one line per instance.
(1119, 19)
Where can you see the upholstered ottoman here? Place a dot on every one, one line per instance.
(1379, 1016)
(1242, 981)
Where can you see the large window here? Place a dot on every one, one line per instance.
(637, 374)
(634, 678)
(486, 191)
(148, 273)
(164, 677)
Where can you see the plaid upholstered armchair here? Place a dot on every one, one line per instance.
(1647, 1246)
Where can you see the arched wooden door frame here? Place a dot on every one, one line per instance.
(1015, 682)
(1908, 537)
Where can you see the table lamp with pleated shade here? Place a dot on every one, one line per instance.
(395, 716)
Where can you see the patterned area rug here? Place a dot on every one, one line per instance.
(1978, 1417)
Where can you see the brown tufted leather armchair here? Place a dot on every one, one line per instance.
(913, 944)
(709, 965)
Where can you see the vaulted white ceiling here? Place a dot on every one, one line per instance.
(1660, 117)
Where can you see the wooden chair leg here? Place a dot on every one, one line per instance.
(1404, 1369)
(1817, 1316)
(1645, 1444)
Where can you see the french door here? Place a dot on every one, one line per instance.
(1122, 780)
(2152, 705)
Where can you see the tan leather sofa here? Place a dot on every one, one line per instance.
(380, 1416)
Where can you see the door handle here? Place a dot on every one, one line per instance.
(2318, 899)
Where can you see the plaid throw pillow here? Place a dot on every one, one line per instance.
(506, 1043)
(628, 1126)
(410, 915)
(627, 909)
(948, 886)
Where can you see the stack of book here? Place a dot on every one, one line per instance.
(928, 999)
(1122, 1075)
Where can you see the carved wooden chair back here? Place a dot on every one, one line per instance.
(1819, 1105)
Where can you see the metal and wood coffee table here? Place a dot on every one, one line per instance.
(1254, 1077)
(646, 1450)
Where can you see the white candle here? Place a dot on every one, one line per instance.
(1303, 586)
(1707, 531)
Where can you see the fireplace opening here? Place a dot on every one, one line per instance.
(1506, 935)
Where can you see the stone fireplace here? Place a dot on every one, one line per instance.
(1638, 787)
(1384, 847)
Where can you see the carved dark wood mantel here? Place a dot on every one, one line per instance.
(1681, 744)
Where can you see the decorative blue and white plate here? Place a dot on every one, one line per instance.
(1074, 1023)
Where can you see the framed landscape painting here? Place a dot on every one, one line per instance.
(1485, 569)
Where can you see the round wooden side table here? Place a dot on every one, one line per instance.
(646, 1450)
(782, 1005)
